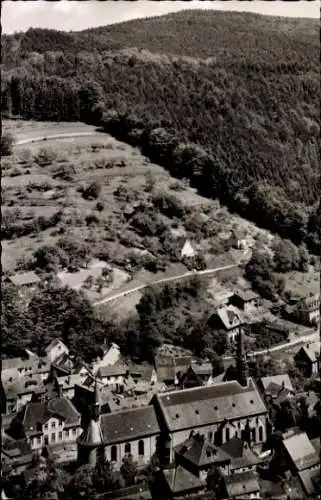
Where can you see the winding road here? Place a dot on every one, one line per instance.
(68, 131)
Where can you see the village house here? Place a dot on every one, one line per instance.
(228, 319)
(55, 350)
(244, 486)
(16, 392)
(307, 310)
(276, 388)
(307, 359)
(198, 456)
(198, 374)
(142, 372)
(187, 250)
(67, 384)
(111, 357)
(178, 482)
(113, 375)
(27, 281)
(298, 456)
(246, 300)
(238, 240)
(16, 455)
(54, 423)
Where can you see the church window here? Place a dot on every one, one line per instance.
(227, 434)
(141, 446)
(114, 453)
(253, 435)
(260, 433)
(127, 448)
(210, 436)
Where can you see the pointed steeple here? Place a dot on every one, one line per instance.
(96, 403)
(241, 364)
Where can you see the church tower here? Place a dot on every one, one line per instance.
(242, 371)
(90, 442)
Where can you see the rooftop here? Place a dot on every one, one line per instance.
(180, 480)
(241, 454)
(312, 350)
(112, 370)
(230, 317)
(64, 407)
(201, 452)
(246, 295)
(301, 451)
(280, 381)
(21, 279)
(241, 484)
(135, 423)
(205, 405)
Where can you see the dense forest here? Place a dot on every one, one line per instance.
(238, 116)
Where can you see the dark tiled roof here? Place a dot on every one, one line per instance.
(181, 480)
(111, 371)
(64, 407)
(205, 405)
(202, 368)
(201, 452)
(15, 363)
(130, 424)
(23, 385)
(240, 453)
(32, 415)
(241, 484)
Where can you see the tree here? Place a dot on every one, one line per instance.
(215, 481)
(49, 258)
(286, 257)
(7, 142)
(104, 477)
(128, 470)
(81, 485)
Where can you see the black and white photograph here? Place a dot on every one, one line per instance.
(160, 250)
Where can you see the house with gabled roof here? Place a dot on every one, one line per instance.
(246, 300)
(25, 280)
(244, 486)
(178, 482)
(298, 456)
(55, 350)
(229, 319)
(276, 388)
(57, 422)
(187, 250)
(307, 358)
(197, 454)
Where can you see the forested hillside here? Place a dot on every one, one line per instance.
(229, 100)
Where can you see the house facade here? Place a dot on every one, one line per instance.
(307, 310)
(307, 359)
(228, 319)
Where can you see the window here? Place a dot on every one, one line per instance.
(260, 433)
(46, 440)
(141, 450)
(227, 434)
(236, 435)
(74, 431)
(113, 454)
(210, 436)
(46, 427)
(53, 424)
(60, 436)
(39, 440)
(253, 435)
(53, 437)
(127, 448)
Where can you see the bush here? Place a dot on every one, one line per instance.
(46, 156)
(7, 142)
(92, 191)
(100, 206)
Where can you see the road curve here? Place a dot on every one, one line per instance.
(162, 281)
(313, 336)
(48, 137)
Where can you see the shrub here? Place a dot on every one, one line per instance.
(7, 142)
(100, 206)
(46, 156)
(92, 191)
(91, 219)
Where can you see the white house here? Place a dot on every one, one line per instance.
(187, 250)
(55, 350)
